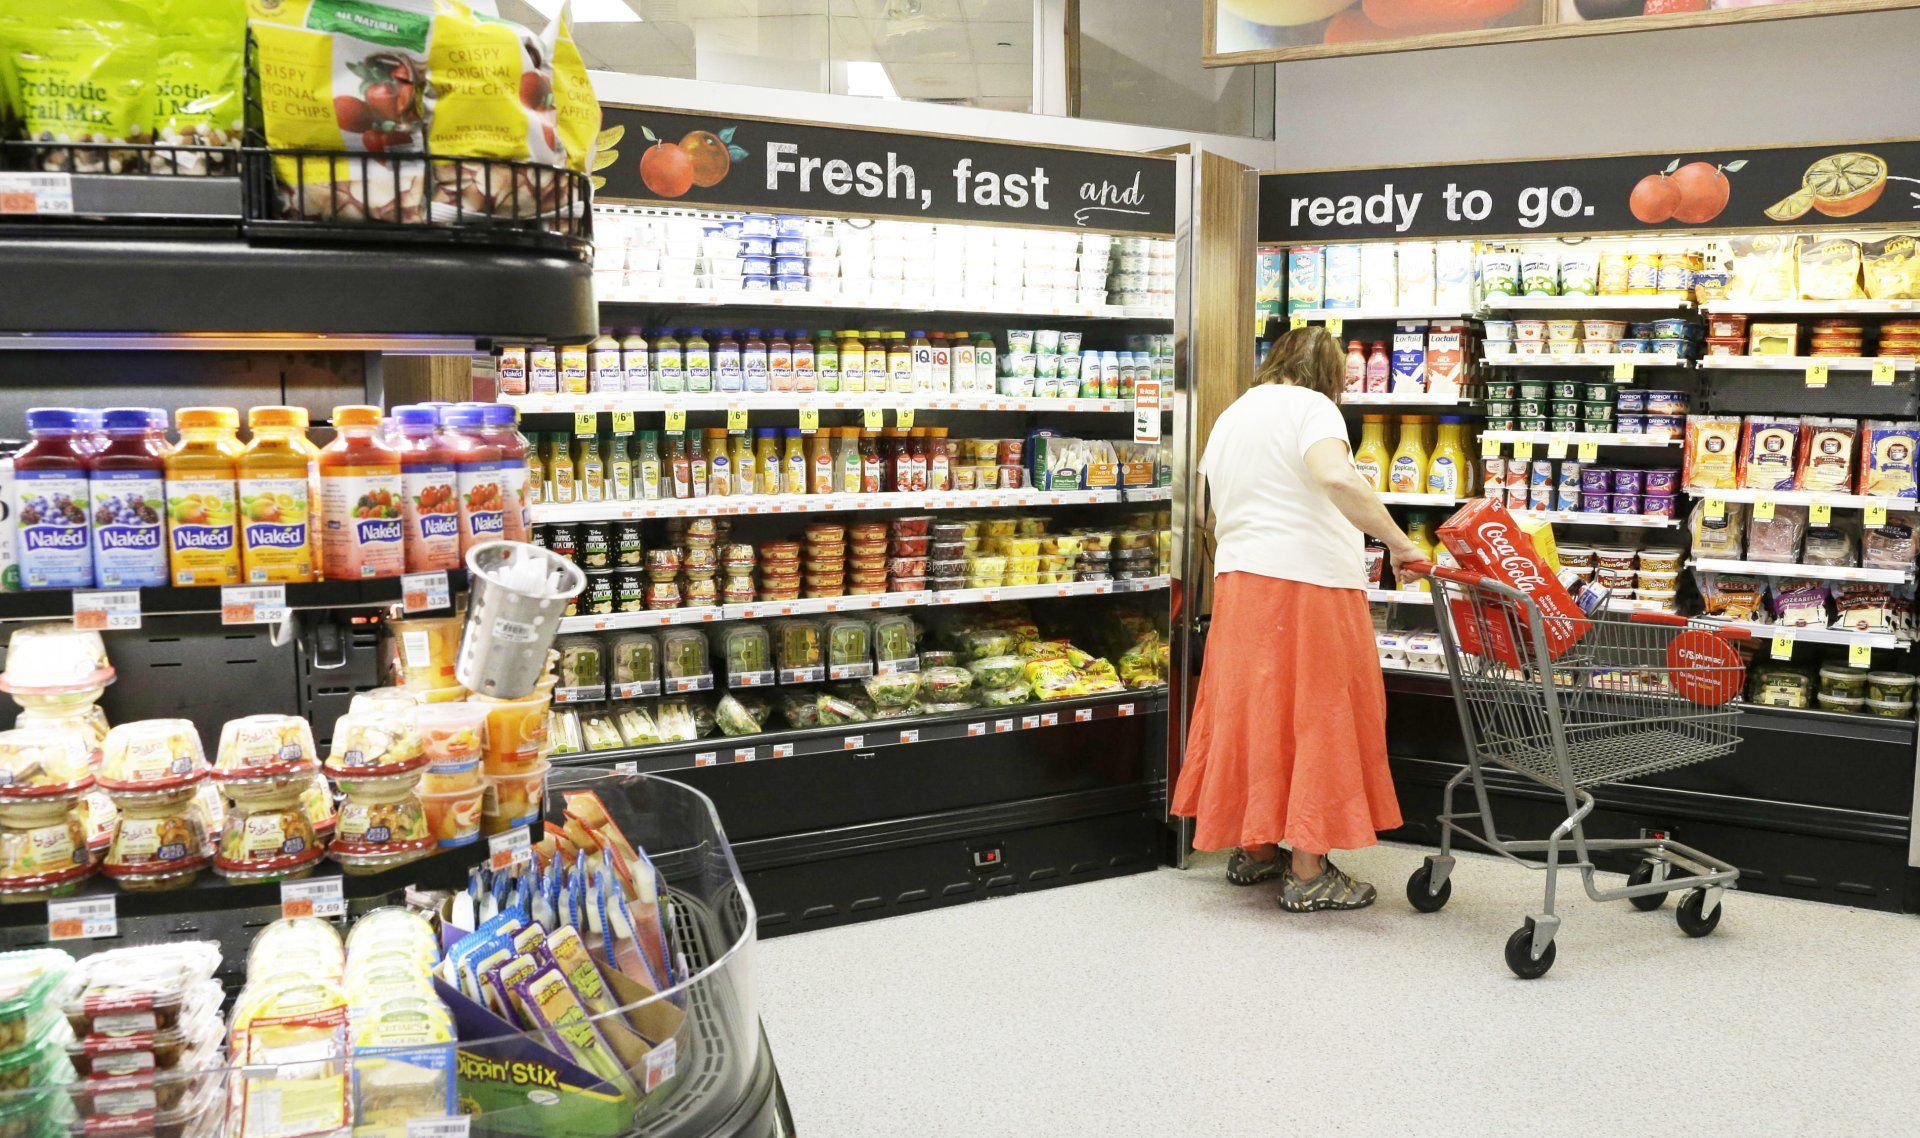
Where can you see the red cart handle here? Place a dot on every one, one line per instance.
(1445, 572)
(1675, 620)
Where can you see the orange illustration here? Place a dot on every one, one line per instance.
(702, 158)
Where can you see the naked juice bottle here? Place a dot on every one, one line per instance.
(476, 467)
(50, 502)
(203, 541)
(502, 430)
(127, 479)
(277, 472)
(430, 499)
(362, 534)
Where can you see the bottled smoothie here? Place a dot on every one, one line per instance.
(826, 362)
(1372, 457)
(753, 361)
(430, 493)
(127, 477)
(899, 363)
(920, 362)
(276, 474)
(635, 364)
(805, 363)
(962, 362)
(779, 361)
(50, 502)
(726, 361)
(362, 531)
(476, 466)
(986, 363)
(667, 373)
(203, 541)
(876, 357)
(853, 362)
(604, 364)
(697, 358)
(502, 431)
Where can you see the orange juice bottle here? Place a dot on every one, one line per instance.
(203, 546)
(278, 472)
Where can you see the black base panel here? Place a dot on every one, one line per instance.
(867, 884)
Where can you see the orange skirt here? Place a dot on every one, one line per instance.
(1289, 740)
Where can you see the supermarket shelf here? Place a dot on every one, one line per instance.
(1421, 500)
(1148, 494)
(1417, 399)
(1813, 307)
(739, 298)
(1400, 596)
(1578, 518)
(1809, 498)
(1357, 315)
(1762, 630)
(1589, 359)
(1586, 303)
(1818, 572)
(1802, 363)
(875, 734)
(654, 401)
(37, 604)
(1608, 440)
(752, 504)
(759, 610)
(216, 342)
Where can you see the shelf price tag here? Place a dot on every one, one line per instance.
(1763, 510)
(909, 737)
(706, 758)
(107, 611)
(852, 742)
(809, 420)
(420, 592)
(586, 424)
(1294, 323)
(253, 604)
(783, 750)
(1489, 447)
(1589, 452)
(88, 918)
(744, 754)
(1819, 513)
(1716, 509)
(1002, 726)
(314, 897)
(623, 422)
(1783, 644)
(1816, 375)
(1523, 449)
(1557, 448)
(630, 766)
(1876, 515)
(676, 418)
(1125, 710)
(1860, 655)
(1147, 395)
(1050, 719)
(1335, 326)
(736, 420)
(453, 1126)
(903, 418)
(1883, 373)
(1083, 715)
(34, 194)
(976, 729)
(1623, 371)
(873, 418)
(508, 849)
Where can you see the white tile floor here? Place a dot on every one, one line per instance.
(1173, 1005)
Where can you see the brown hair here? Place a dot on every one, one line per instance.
(1306, 357)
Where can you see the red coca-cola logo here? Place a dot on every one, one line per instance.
(1520, 570)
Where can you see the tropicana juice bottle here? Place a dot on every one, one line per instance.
(203, 541)
(1372, 457)
(477, 471)
(430, 494)
(277, 472)
(50, 502)
(127, 483)
(1408, 472)
(1448, 470)
(362, 531)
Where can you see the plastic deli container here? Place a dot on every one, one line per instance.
(514, 799)
(453, 816)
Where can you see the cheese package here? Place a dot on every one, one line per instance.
(1826, 458)
(1713, 446)
(1887, 458)
(1769, 448)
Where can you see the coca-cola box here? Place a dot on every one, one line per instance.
(1485, 538)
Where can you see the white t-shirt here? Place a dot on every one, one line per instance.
(1271, 517)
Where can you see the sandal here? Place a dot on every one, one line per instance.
(1244, 870)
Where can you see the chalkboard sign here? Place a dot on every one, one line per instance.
(1788, 188)
(773, 165)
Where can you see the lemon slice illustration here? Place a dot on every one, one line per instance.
(1793, 207)
(1845, 184)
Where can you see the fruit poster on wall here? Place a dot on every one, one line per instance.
(1757, 188)
(729, 162)
(1266, 31)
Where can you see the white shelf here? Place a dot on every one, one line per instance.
(650, 618)
(1587, 359)
(1410, 399)
(1146, 494)
(1579, 518)
(1420, 500)
(1812, 635)
(648, 401)
(1808, 498)
(752, 504)
(1400, 596)
(1571, 439)
(1813, 307)
(1356, 315)
(1818, 572)
(1586, 304)
(760, 610)
(1802, 363)
(881, 301)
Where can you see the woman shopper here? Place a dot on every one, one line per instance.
(1288, 741)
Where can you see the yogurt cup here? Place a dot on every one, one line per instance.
(1663, 481)
(1529, 330)
(1593, 502)
(1567, 330)
(1660, 560)
(1629, 481)
(1625, 504)
(1603, 329)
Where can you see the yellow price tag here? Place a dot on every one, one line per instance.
(1716, 509)
(585, 423)
(1623, 370)
(1860, 655)
(1589, 452)
(623, 422)
(1883, 373)
(1783, 645)
(736, 419)
(1335, 326)
(873, 418)
(1557, 448)
(676, 419)
(1295, 323)
(1523, 449)
(809, 420)
(1819, 514)
(1816, 375)
(903, 418)
(1763, 510)
(1489, 447)
(1876, 516)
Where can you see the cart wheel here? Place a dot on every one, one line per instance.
(1642, 874)
(1688, 914)
(1520, 956)
(1421, 897)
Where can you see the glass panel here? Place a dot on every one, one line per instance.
(1139, 62)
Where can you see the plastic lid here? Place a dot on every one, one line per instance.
(766, 432)
(464, 415)
(919, 335)
(290, 417)
(354, 415)
(207, 418)
(412, 415)
(53, 419)
(134, 419)
(500, 415)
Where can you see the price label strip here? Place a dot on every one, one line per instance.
(1860, 655)
(89, 918)
(314, 897)
(1816, 375)
(903, 418)
(1783, 644)
(253, 604)
(809, 420)
(107, 611)
(623, 422)
(422, 592)
(506, 850)
(586, 424)
(676, 419)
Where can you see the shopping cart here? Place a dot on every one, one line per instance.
(1636, 694)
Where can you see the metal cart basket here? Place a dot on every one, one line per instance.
(1637, 693)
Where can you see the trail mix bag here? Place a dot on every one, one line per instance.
(199, 84)
(81, 71)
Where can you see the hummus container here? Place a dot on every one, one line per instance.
(1890, 709)
(1890, 686)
